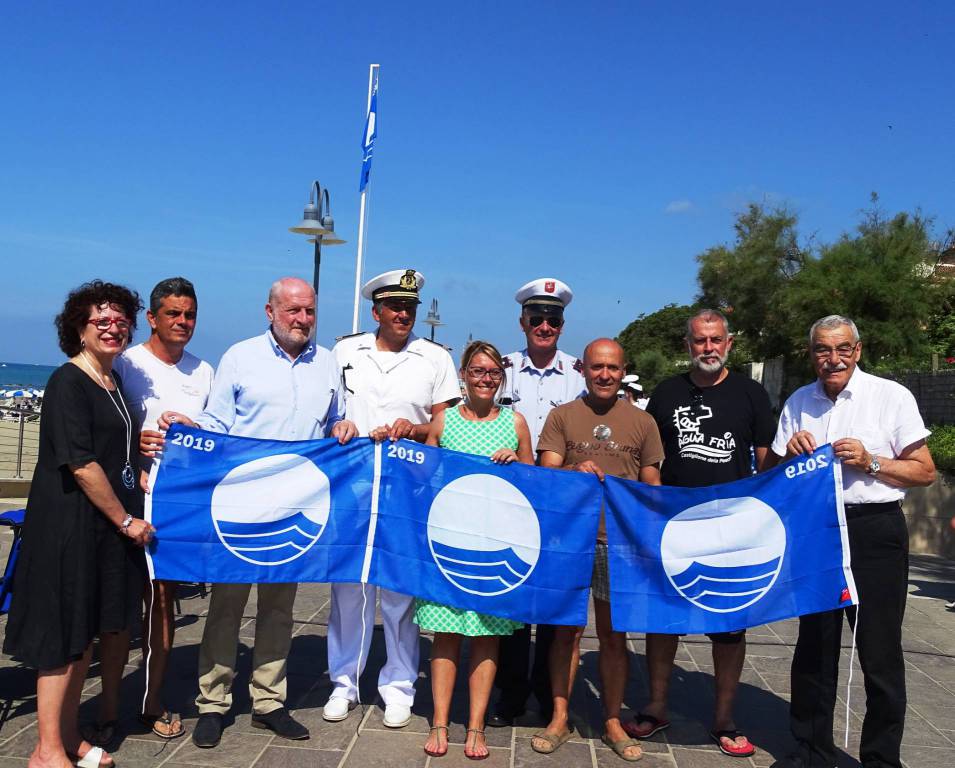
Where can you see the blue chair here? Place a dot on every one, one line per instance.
(14, 518)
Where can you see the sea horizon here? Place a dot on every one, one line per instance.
(24, 375)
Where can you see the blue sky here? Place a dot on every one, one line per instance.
(605, 144)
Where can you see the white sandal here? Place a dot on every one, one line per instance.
(92, 759)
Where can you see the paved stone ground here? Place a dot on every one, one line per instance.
(362, 740)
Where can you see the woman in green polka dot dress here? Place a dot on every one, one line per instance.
(481, 427)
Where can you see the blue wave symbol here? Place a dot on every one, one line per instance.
(270, 542)
(481, 571)
(726, 588)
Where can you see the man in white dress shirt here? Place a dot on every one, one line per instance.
(538, 379)
(160, 375)
(877, 433)
(394, 383)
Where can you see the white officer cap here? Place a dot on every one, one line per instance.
(544, 292)
(397, 284)
(630, 382)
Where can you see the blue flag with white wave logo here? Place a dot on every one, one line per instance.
(243, 510)
(513, 540)
(726, 557)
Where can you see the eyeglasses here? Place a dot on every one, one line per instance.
(105, 323)
(554, 321)
(843, 350)
(397, 306)
(495, 374)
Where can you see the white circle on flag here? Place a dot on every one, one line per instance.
(725, 554)
(271, 510)
(483, 534)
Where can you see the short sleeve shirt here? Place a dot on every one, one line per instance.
(381, 387)
(534, 392)
(707, 432)
(620, 441)
(880, 413)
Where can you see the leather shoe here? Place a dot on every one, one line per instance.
(504, 715)
(397, 715)
(790, 761)
(281, 723)
(337, 708)
(208, 730)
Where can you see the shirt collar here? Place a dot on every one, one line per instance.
(852, 389)
(556, 364)
(305, 355)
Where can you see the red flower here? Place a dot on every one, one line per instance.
(950, 360)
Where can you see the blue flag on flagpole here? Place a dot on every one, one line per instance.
(726, 557)
(368, 139)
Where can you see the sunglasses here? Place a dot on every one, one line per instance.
(696, 403)
(554, 321)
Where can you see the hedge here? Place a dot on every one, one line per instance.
(942, 445)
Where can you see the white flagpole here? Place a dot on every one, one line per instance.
(372, 78)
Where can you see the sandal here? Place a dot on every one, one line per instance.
(734, 750)
(92, 759)
(620, 747)
(168, 725)
(472, 756)
(99, 734)
(633, 728)
(435, 752)
(553, 741)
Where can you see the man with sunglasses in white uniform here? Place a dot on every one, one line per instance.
(538, 379)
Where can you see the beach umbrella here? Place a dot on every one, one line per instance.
(24, 393)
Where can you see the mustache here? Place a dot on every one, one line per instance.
(829, 368)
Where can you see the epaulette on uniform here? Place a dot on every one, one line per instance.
(507, 362)
(436, 343)
(350, 335)
(579, 365)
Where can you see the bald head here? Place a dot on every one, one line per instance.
(285, 284)
(604, 346)
(603, 370)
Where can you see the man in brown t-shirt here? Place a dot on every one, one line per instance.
(603, 435)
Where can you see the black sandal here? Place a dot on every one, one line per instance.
(167, 719)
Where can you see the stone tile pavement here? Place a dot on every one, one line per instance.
(362, 740)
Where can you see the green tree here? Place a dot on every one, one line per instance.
(747, 281)
(880, 277)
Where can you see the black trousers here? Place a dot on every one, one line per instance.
(516, 679)
(878, 542)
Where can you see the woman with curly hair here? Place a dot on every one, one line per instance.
(480, 426)
(79, 573)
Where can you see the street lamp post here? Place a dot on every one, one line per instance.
(317, 222)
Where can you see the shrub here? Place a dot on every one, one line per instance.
(942, 445)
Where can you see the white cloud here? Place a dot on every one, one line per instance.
(678, 206)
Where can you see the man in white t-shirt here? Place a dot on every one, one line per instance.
(877, 433)
(160, 375)
(394, 383)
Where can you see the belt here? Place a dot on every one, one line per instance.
(876, 508)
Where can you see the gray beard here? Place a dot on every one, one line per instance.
(709, 367)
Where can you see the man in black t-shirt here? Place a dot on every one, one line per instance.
(715, 426)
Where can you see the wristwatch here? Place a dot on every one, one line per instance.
(127, 521)
(874, 467)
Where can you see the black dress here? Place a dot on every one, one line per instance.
(77, 575)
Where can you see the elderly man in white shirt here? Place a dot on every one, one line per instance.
(394, 383)
(876, 431)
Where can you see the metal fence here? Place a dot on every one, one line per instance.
(934, 392)
(19, 442)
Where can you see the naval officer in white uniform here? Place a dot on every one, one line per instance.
(538, 379)
(394, 384)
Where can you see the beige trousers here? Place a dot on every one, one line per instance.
(220, 639)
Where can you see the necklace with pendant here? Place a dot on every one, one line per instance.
(128, 477)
